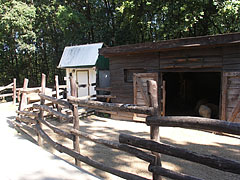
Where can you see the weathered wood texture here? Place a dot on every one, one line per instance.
(86, 159)
(152, 89)
(14, 89)
(119, 87)
(26, 119)
(27, 113)
(57, 130)
(197, 123)
(56, 101)
(52, 112)
(222, 58)
(208, 160)
(24, 96)
(232, 96)
(181, 44)
(76, 144)
(170, 174)
(112, 106)
(42, 102)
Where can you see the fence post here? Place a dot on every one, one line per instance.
(41, 113)
(57, 93)
(14, 90)
(76, 145)
(23, 101)
(154, 130)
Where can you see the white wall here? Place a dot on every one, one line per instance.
(91, 76)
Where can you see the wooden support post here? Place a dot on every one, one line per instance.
(76, 144)
(14, 91)
(154, 130)
(41, 112)
(57, 93)
(23, 101)
(224, 97)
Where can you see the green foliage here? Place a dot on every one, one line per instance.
(33, 34)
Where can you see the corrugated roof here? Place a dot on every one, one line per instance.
(80, 56)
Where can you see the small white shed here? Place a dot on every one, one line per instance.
(80, 63)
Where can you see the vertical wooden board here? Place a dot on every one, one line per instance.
(231, 93)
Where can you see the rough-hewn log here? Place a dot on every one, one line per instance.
(112, 106)
(27, 113)
(53, 112)
(6, 95)
(57, 130)
(152, 88)
(131, 150)
(170, 174)
(29, 91)
(6, 87)
(208, 160)
(195, 123)
(85, 159)
(56, 101)
(26, 119)
(14, 89)
(23, 102)
(21, 127)
(76, 145)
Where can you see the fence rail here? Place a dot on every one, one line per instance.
(130, 144)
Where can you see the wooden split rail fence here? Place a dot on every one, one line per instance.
(11, 87)
(130, 144)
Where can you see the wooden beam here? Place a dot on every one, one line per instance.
(28, 113)
(14, 90)
(86, 159)
(52, 112)
(170, 174)
(197, 123)
(112, 106)
(154, 129)
(57, 130)
(56, 101)
(23, 102)
(76, 145)
(208, 160)
(183, 43)
(42, 102)
(26, 119)
(224, 96)
(103, 89)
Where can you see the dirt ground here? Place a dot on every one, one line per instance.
(109, 129)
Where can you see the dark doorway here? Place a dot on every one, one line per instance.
(184, 91)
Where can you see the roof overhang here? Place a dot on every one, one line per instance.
(183, 43)
(80, 56)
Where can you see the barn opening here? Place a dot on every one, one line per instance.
(186, 91)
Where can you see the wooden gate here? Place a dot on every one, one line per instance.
(140, 91)
(231, 96)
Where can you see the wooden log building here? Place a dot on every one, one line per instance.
(188, 71)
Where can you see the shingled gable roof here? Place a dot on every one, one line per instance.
(200, 41)
(80, 56)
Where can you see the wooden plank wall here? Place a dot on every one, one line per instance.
(191, 59)
(124, 90)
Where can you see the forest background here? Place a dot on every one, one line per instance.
(33, 33)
